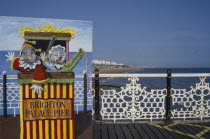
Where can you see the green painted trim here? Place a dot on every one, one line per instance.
(24, 81)
(46, 38)
(61, 81)
(27, 81)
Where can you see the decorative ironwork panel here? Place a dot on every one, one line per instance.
(78, 89)
(132, 103)
(79, 95)
(12, 97)
(12, 91)
(194, 103)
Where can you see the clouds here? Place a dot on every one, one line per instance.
(10, 38)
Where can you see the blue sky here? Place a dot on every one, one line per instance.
(138, 32)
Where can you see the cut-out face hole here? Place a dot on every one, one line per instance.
(28, 55)
(57, 54)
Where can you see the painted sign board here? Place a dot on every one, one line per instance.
(44, 109)
(54, 116)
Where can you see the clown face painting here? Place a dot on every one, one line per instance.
(28, 61)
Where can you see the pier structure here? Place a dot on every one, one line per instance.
(133, 111)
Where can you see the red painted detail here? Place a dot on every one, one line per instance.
(74, 135)
(68, 122)
(40, 73)
(61, 96)
(43, 122)
(37, 123)
(37, 129)
(43, 129)
(31, 123)
(55, 127)
(17, 67)
(24, 123)
(55, 121)
(67, 51)
(49, 132)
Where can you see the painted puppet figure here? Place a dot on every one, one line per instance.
(55, 58)
(28, 61)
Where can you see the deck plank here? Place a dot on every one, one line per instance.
(203, 127)
(141, 131)
(111, 131)
(151, 131)
(104, 132)
(96, 131)
(148, 131)
(133, 131)
(165, 132)
(191, 129)
(183, 130)
(119, 131)
(194, 126)
(207, 124)
(126, 131)
(207, 134)
(156, 131)
(177, 133)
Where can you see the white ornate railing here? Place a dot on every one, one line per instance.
(13, 94)
(194, 103)
(134, 102)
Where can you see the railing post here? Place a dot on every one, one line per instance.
(97, 94)
(4, 93)
(85, 92)
(168, 97)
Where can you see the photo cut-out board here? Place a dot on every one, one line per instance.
(45, 57)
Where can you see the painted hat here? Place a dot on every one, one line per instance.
(29, 44)
(40, 75)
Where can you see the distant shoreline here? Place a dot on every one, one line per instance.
(120, 70)
(173, 67)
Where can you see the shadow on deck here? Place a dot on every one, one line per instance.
(10, 126)
(195, 130)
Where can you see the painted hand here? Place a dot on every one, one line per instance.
(37, 88)
(10, 56)
(43, 56)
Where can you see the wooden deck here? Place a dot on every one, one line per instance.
(199, 130)
(10, 126)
